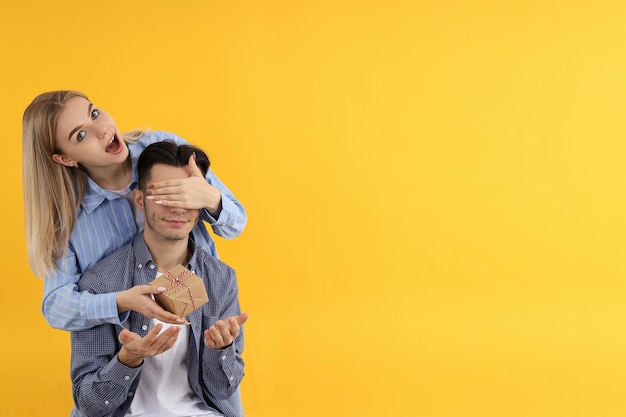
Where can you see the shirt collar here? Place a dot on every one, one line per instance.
(143, 257)
(95, 195)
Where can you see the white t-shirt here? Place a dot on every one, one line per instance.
(163, 389)
(128, 195)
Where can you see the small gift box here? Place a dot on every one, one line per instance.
(184, 291)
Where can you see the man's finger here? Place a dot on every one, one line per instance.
(153, 334)
(208, 339)
(216, 335)
(242, 318)
(126, 336)
(167, 339)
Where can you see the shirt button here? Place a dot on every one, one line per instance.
(144, 327)
(223, 357)
(140, 266)
(126, 378)
(231, 378)
(151, 266)
(130, 393)
(106, 402)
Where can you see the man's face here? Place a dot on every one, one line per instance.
(162, 222)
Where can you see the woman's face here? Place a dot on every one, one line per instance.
(88, 136)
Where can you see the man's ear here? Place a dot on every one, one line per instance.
(138, 197)
(64, 160)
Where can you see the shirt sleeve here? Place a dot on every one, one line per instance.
(66, 308)
(222, 370)
(232, 218)
(101, 382)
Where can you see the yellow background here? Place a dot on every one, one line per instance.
(435, 193)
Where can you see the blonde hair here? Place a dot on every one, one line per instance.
(52, 192)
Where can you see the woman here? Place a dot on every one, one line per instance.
(78, 173)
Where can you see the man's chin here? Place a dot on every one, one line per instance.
(178, 237)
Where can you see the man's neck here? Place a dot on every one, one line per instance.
(168, 254)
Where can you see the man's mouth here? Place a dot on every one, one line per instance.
(177, 222)
(115, 146)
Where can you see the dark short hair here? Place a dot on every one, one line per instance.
(168, 153)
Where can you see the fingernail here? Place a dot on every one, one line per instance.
(160, 288)
(150, 197)
(158, 202)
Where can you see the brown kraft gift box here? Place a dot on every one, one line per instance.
(184, 291)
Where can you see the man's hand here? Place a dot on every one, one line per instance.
(138, 299)
(135, 348)
(224, 331)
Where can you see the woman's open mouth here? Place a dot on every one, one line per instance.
(115, 146)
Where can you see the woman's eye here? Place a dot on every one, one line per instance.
(95, 113)
(81, 135)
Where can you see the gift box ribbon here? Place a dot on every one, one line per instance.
(176, 281)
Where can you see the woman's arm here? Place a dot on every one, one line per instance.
(232, 217)
(64, 307)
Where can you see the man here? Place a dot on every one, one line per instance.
(150, 368)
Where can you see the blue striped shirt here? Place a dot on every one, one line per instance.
(103, 386)
(104, 223)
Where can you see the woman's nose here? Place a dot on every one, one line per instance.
(102, 132)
